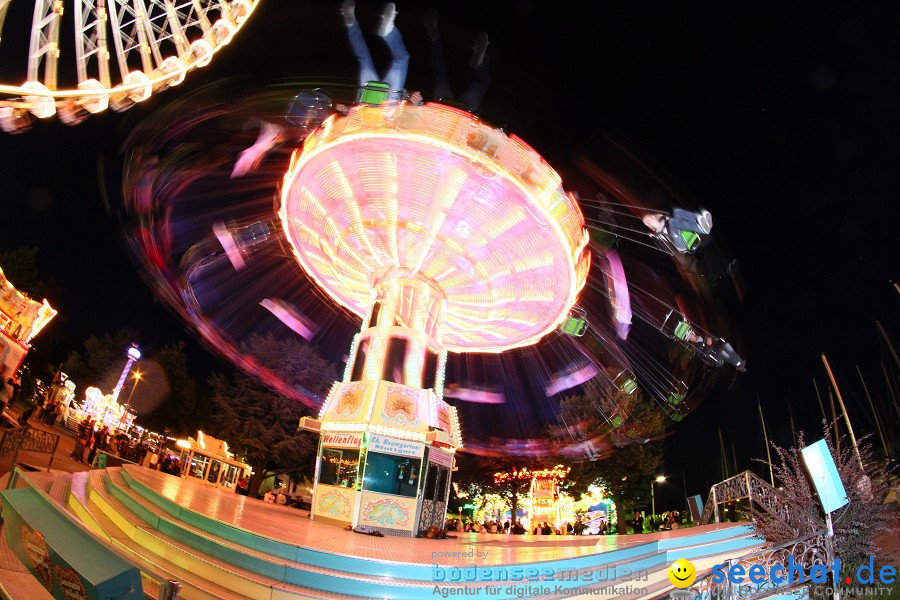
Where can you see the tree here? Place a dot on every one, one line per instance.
(631, 457)
(21, 268)
(102, 361)
(857, 523)
(169, 399)
(261, 424)
(506, 477)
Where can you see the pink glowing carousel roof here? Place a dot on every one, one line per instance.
(434, 192)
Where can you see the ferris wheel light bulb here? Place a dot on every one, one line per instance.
(42, 106)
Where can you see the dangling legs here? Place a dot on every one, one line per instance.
(396, 75)
(685, 220)
(481, 67)
(367, 71)
(438, 68)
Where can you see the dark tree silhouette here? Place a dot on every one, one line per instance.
(21, 267)
(633, 457)
(261, 425)
(168, 399)
(102, 360)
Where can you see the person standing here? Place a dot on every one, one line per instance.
(638, 522)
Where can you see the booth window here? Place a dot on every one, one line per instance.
(197, 465)
(230, 476)
(391, 474)
(339, 466)
(359, 362)
(213, 475)
(431, 363)
(395, 360)
(436, 482)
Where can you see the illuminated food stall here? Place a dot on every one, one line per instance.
(207, 459)
(21, 318)
(103, 409)
(544, 496)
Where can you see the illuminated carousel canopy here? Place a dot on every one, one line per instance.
(431, 193)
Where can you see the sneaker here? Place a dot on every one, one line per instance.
(387, 19)
(478, 50)
(431, 25)
(348, 11)
(705, 221)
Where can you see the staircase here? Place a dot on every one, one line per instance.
(751, 486)
(211, 557)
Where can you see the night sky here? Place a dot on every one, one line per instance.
(780, 118)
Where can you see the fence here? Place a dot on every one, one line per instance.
(752, 487)
(807, 552)
(25, 439)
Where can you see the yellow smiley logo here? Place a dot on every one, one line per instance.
(682, 573)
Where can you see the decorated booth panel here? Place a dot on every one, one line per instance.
(436, 488)
(391, 482)
(333, 502)
(338, 476)
(348, 402)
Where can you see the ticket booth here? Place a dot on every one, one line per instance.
(390, 479)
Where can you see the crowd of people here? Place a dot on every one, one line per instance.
(92, 438)
(279, 496)
(667, 521)
(664, 522)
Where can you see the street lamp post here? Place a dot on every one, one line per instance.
(137, 379)
(653, 483)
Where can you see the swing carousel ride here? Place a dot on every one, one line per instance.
(542, 316)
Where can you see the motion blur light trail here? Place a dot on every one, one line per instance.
(213, 248)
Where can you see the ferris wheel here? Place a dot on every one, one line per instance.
(124, 51)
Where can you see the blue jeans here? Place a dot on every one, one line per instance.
(396, 73)
(682, 220)
(481, 77)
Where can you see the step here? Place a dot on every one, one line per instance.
(227, 550)
(56, 488)
(116, 480)
(237, 580)
(159, 567)
(649, 560)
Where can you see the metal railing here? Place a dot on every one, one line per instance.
(26, 439)
(752, 487)
(806, 552)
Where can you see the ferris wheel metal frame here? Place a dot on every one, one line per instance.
(147, 45)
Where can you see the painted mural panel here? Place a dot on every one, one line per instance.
(350, 403)
(381, 510)
(334, 502)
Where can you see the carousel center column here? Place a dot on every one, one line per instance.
(387, 437)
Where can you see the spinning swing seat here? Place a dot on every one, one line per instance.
(625, 382)
(575, 324)
(374, 93)
(677, 393)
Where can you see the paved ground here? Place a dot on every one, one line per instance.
(291, 526)
(61, 462)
